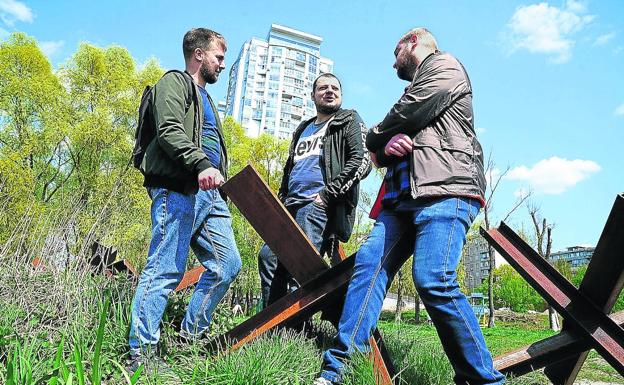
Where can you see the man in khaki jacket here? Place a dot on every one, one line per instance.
(434, 188)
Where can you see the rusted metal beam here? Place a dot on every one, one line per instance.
(322, 289)
(385, 373)
(190, 277)
(588, 320)
(294, 307)
(274, 224)
(547, 351)
(601, 284)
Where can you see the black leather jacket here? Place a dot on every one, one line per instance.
(345, 163)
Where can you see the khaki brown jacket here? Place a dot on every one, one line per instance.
(436, 112)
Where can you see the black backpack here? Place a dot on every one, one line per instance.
(146, 126)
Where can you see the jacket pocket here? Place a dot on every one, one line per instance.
(439, 161)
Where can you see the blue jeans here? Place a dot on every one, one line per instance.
(434, 231)
(275, 281)
(180, 221)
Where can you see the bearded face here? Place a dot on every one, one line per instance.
(208, 72)
(405, 63)
(327, 95)
(213, 62)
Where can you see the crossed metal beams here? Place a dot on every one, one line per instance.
(585, 310)
(323, 287)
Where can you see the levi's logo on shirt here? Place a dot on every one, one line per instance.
(310, 145)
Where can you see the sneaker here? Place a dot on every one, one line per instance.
(152, 366)
(322, 381)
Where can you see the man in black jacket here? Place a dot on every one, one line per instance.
(321, 179)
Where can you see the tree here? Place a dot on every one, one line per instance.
(32, 126)
(493, 179)
(512, 291)
(543, 237)
(65, 143)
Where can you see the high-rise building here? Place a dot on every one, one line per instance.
(271, 81)
(477, 262)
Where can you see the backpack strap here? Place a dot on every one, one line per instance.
(191, 92)
(192, 95)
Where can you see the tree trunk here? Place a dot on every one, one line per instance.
(248, 302)
(553, 319)
(417, 309)
(491, 323)
(399, 299)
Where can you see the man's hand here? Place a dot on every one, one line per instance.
(399, 145)
(318, 201)
(210, 179)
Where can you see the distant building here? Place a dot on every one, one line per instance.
(221, 109)
(271, 81)
(576, 256)
(476, 262)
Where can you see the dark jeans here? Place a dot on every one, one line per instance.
(275, 280)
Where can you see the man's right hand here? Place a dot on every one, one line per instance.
(399, 145)
(210, 179)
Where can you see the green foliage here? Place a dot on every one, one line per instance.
(65, 142)
(512, 291)
(577, 277)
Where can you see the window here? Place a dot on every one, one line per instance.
(276, 51)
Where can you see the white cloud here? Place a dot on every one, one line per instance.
(554, 175)
(619, 111)
(49, 48)
(480, 130)
(545, 29)
(604, 39)
(13, 10)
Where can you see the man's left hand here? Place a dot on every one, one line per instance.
(318, 201)
(399, 145)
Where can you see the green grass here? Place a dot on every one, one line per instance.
(70, 327)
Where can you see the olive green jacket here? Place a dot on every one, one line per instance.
(175, 157)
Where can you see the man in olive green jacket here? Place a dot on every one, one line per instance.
(187, 154)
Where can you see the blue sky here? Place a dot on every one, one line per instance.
(548, 77)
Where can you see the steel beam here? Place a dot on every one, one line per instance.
(588, 320)
(601, 284)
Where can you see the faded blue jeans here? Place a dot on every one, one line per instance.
(202, 222)
(434, 230)
(275, 281)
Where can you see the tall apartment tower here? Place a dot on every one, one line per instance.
(271, 81)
